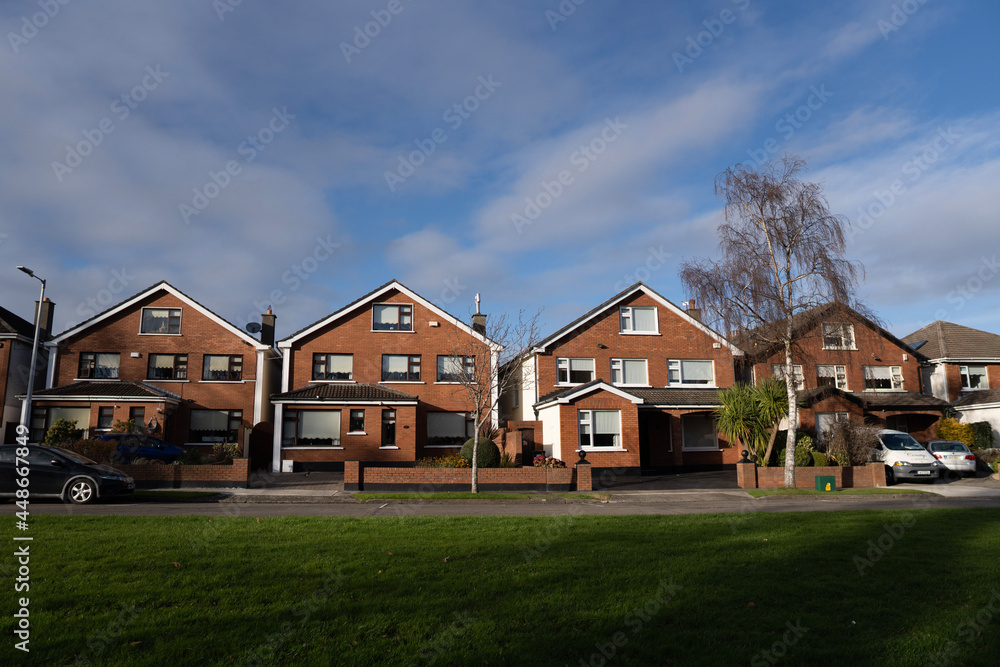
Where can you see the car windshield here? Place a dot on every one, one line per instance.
(79, 458)
(949, 447)
(899, 442)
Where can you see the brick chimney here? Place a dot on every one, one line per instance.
(479, 323)
(47, 310)
(267, 327)
(693, 313)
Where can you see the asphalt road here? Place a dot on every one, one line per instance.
(648, 504)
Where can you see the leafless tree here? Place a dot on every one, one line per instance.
(480, 365)
(782, 255)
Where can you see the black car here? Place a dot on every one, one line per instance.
(60, 473)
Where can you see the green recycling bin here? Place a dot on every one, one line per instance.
(826, 483)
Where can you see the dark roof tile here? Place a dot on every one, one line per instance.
(107, 389)
(947, 339)
(345, 393)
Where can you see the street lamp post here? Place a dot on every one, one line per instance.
(26, 406)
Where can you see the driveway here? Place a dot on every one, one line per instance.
(689, 481)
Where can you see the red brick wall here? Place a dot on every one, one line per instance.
(428, 478)
(569, 430)
(365, 447)
(953, 378)
(678, 339)
(219, 474)
(353, 334)
(199, 336)
(870, 475)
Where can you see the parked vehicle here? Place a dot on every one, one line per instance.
(133, 446)
(905, 458)
(956, 456)
(60, 473)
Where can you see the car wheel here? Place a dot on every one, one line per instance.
(81, 491)
(890, 476)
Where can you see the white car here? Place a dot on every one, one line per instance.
(905, 458)
(954, 455)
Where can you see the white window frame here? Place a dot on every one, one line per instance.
(585, 418)
(565, 364)
(677, 365)
(465, 361)
(626, 320)
(829, 328)
(399, 317)
(798, 377)
(964, 374)
(839, 375)
(618, 373)
(470, 426)
(715, 432)
(180, 321)
(895, 375)
(327, 358)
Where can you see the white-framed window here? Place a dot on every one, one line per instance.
(974, 377)
(515, 399)
(388, 428)
(600, 429)
(212, 426)
(333, 366)
(452, 368)
(311, 428)
(167, 367)
(698, 431)
(799, 379)
(629, 372)
(392, 317)
(574, 370)
(824, 420)
(160, 321)
(838, 336)
(43, 418)
(222, 367)
(883, 378)
(449, 429)
(400, 368)
(638, 319)
(831, 376)
(691, 372)
(99, 365)
(357, 423)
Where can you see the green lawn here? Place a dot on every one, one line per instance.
(859, 491)
(648, 590)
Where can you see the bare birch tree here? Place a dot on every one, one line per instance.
(782, 255)
(478, 365)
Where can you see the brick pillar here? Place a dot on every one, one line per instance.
(584, 481)
(353, 476)
(877, 473)
(746, 475)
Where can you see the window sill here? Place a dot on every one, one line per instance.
(688, 385)
(631, 386)
(604, 449)
(356, 433)
(840, 348)
(155, 333)
(442, 446)
(393, 331)
(175, 381)
(448, 382)
(388, 447)
(639, 333)
(219, 381)
(571, 384)
(884, 391)
(320, 447)
(402, 382)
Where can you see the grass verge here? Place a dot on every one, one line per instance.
(813, 588)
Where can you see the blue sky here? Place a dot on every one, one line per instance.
(544, 154)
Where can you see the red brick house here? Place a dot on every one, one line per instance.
(633, 383)
(168, 363)
(375, 381)
(847, 366)
(17, 335)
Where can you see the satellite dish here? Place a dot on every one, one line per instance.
(253, 327)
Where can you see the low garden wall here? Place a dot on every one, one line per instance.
(151, 475)
(750, 476)
(357, 477)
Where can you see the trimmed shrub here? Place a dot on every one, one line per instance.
(803, 457)
(952, 429)
(982, 435)
(98, 450)
(819, 459)
(804, 440)
(62, 433)
(489, 453)
(851, 443)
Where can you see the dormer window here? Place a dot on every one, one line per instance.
(161, 321)
(638, 320)
(392, 317)
(838, 336)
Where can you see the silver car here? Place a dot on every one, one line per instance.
(954, 455)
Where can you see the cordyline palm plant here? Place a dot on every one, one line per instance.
(749, 416)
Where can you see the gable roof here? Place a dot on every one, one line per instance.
(569, 394)
(14, 325)
(947, 340)
(661, 398)
(622, 296)
(345, 392)
(149, 291)
(808, 320)
(371, 296)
